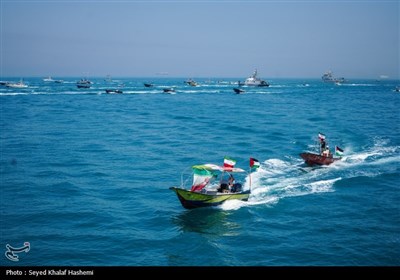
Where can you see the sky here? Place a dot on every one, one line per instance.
(281, 39)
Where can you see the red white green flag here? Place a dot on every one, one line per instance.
(229, 162)
(202, 175)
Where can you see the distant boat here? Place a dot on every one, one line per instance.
(329, 78)
(113, 91)
(238, 90)
(192, 83)
(108, 79)
(84, 83)
(253, 80)
(168, 90)
(148, 85)
(48, 79)
(19, 84)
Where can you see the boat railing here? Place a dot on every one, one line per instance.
(185, 177)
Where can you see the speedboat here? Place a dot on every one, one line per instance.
(238, 90)
(317, 159)
(148, 85)
(324, 157)
(253, 80)
(168, 90)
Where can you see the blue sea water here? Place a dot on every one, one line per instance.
(85, 175)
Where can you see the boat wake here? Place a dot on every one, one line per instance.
(278, 179)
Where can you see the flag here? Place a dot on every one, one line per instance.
(202, 175)
(229, 162)
(254, 163)
(338, 151)
(321, 136)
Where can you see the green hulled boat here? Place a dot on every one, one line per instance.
(205, 192)
(190, 199)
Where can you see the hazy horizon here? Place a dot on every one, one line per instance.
(2, 78)
(219, 39)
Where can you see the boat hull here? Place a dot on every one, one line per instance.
(238, 90)
(261, 84)
(316, 159)
(113, 91)
(191, 200)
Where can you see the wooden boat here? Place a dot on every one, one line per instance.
(325, 157)
(316, 159)
(205, 192)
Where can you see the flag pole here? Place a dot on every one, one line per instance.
(250, 179)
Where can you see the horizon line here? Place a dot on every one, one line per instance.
(382, 77)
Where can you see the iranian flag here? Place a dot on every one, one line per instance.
(254, 163)
(338, 151)
(229, 162)
(202, 175)
(321, 136)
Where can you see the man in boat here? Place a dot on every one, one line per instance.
(322, 146)
(326, 152)
(226, 184)
(229, 186)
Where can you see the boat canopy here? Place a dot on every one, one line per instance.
(205, 173)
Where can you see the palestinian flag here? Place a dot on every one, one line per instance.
(254, 163)
(338, 151)
(321, 136)
(229, 162)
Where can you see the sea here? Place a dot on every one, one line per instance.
(85, 175)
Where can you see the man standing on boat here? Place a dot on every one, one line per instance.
(322, 143)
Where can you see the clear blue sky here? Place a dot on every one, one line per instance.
(354, 39)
